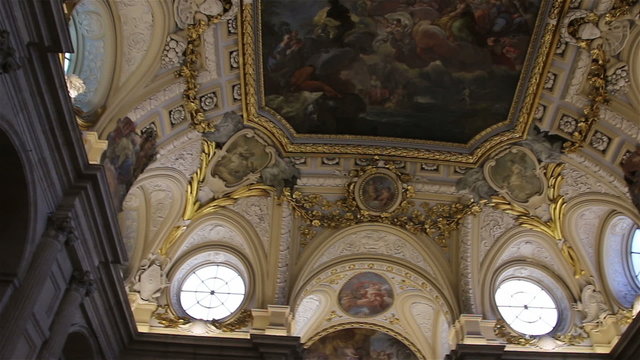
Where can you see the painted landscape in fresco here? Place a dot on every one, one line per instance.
(441, 70)
(350, 344)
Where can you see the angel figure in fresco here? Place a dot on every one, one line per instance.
(367, 298)
(378, 193)
(126, 157)
(521, 182)
(244, 157)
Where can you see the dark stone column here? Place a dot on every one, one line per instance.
(81, 286)
(8, 60)
(20, 306)
(476, 352)
(628, 347)
(273, 347)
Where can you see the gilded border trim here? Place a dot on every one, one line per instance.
(547, 33)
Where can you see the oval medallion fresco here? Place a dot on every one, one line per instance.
(378, 193)
(356, 343)
(366, 294)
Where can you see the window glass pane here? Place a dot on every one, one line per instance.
(635, 242)
(66, 63)
(212, 292)
(187, 300)
(509, 314)
(191, 283)
(541, 300)
(526, 307)
(635, 254)
(635, 263)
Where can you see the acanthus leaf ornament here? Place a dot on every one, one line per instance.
(167, 318)
(194, 209)
(552, 227)
(501, 330)
(241, 320)
(575, 336)
(192, 204)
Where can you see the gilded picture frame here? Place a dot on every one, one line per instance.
(238, 163)
(511, 129)
(516, 174)
(378, 191)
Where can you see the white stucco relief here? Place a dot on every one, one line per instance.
(493, 224)
(529, 249)
(128, 219)
(182, 154)
(614, 255)
(430, 187)
(329, 181)
(375, 242)
(624, 125)
(609, 183)
(423, 314)
(154, 102)
(91, 28)
(577, 182)
(574, 86)
(443, 336)
(210, 62)
(466, 259)
(587, 225)
(257, 210)
(307, 308)
(282, 280)
(137, 25)
(212, 233)
(160, 198)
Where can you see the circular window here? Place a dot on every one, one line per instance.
(635, 254)
(526, 307)
(212, 292)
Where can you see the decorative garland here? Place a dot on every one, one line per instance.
(435, 221)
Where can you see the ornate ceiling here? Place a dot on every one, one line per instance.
(212, 165)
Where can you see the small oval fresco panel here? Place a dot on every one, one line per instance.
(516, 173)
(366, 294)
(356, 343)
(379, 193)
(246, 155)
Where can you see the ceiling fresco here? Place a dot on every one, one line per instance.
(428, 78)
